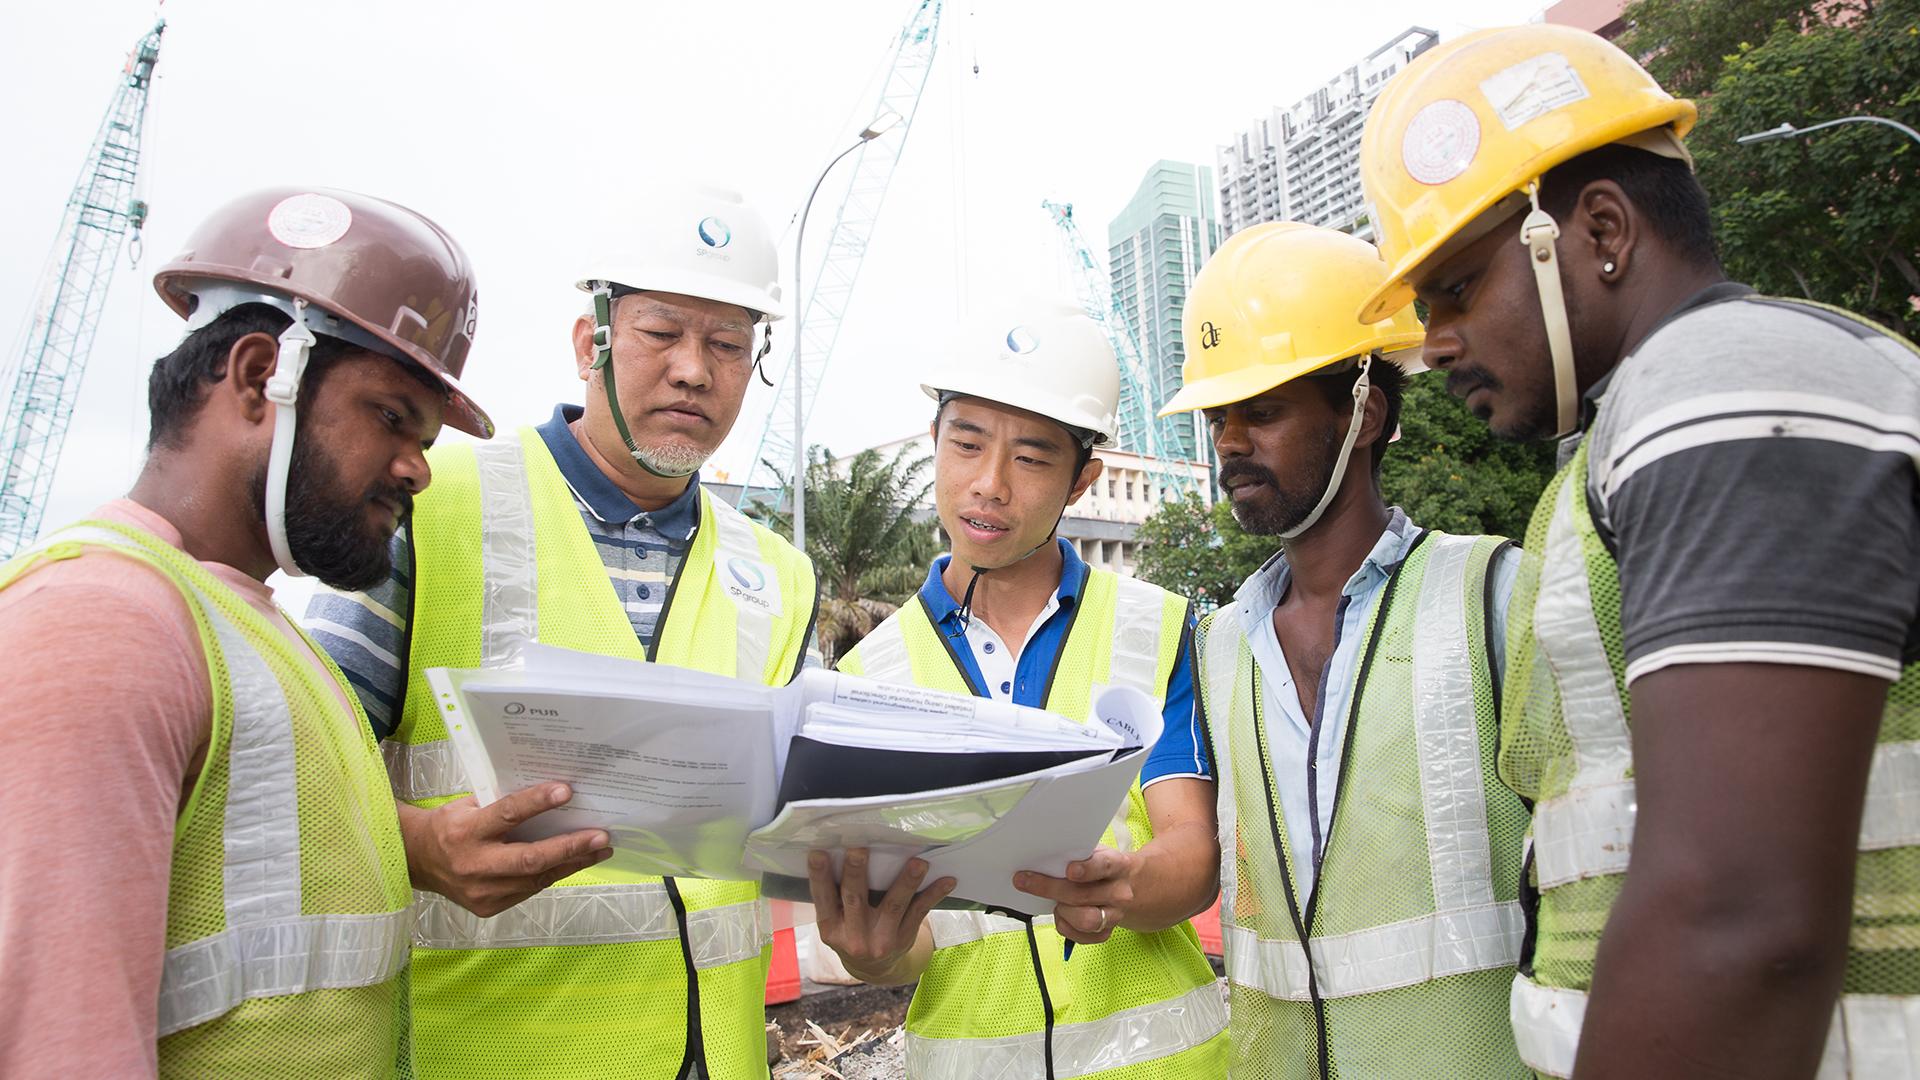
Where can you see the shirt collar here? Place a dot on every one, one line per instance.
(602, 498)
(1712, 294)
(1262, 592)
(941, 605)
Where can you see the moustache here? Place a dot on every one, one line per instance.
(1236, 470)
(1464, 381)
(395, 494)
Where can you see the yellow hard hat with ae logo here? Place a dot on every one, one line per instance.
(1277, 302)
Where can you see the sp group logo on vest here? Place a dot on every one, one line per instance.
(750, 583)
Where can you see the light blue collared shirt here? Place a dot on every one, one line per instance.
(1306, 762)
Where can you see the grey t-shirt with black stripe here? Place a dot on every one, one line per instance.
(1755, 468)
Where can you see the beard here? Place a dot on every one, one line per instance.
(1280, 509)
(327, 528)
(671, 460)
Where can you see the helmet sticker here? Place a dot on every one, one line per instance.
(1021, 340)
(310, 220)
(1533, 88)
(1440, 141)
(714, 232)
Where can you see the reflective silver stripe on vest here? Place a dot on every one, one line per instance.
(1587, 833)
(1135, 659)
(1129, 1037)
(596, 915)
(883, 653)
(1379, 958)
(753, 627)
(428, 770)
(1872, 1035)
(1218, 646)
(268, 948)
(1447, 733)
(509, 602)
(952, 928)
(204, 979)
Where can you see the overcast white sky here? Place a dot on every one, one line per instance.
(524, 127)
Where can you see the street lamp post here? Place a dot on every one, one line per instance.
(1788, 131)
(871, 132)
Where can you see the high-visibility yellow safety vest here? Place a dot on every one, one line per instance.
(608, 973)
(1567, 744)
(287, 909)
(998, 1000)
(1413, 924)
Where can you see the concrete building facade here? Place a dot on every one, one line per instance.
(1602, 17)
(1302, 162)
(1154, 248)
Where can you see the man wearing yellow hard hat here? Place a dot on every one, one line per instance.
(1349, 693)
(1713, 700)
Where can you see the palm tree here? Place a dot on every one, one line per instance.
(870, 537)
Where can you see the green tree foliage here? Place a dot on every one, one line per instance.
(1199, 553)
(1833, 216)
(869, 543)
(1447, 471)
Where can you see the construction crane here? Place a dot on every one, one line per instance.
(831, 282)
(46, 379)
(1138, 391)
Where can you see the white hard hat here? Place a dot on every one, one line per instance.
(696, 241)
(1049, 359)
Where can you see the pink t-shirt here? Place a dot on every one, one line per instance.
(105, 712)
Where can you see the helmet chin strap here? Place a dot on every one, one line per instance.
(1362, 385)
(1538, 232)
(603, 363)
(283, 389)
(963, 615)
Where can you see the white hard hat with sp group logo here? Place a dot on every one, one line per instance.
(1050, 359)
(704, 242)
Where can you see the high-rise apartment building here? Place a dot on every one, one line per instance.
(1154, 248)
(1302, 163)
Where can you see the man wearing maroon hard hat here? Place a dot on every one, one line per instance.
(207, 874)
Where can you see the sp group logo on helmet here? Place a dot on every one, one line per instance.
(714, 235)
(1021, 341)
(750, 584)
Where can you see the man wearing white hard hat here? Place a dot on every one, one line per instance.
(1014, 614)
(592, 532)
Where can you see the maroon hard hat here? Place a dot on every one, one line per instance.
(378, 266)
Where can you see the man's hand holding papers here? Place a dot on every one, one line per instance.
(697, 775)
(461, 851)
(880, 944)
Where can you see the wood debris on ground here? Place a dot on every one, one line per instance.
(822, 1048)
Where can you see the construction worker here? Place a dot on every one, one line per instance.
(592, 532)
(1013, 614)
(204, 875)
(1348, 692)
(1712, 671)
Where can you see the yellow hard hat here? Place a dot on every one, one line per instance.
(1481, 118)
(1276, 302)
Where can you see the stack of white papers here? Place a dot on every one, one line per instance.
(690, 773)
